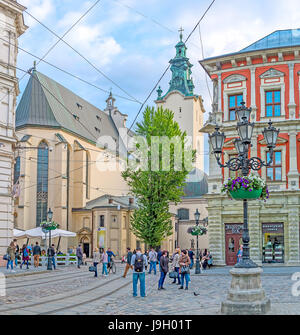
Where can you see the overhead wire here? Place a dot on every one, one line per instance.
(86, 59)
(148, 96)
(66, 72)
(83, 15)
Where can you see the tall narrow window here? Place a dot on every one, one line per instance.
(17, 169)
(234, 102)
(87, 176)
(273, 103)
(274, 171)
(42, 184)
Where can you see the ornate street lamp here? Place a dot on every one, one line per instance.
(197, 217)
(244, 163)
(50, 216)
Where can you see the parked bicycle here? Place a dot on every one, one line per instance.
(111, 266)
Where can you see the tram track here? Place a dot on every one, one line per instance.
(47, 280)
(68, 296)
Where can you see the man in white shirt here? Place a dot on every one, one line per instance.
(152, 260)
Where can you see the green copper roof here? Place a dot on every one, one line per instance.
(42, 104)
(181, 73)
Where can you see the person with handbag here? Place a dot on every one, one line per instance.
(96, 260)
(184, 263)
(164, 269)
(176, 266)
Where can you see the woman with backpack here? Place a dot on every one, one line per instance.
(184, 263)
(164, 268)
(25, 256)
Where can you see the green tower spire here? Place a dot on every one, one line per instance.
(181, 71)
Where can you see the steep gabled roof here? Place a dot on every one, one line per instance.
(42, 104)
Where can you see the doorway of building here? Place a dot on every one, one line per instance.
(233, 240)
(86, 249)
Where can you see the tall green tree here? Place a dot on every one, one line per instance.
(160, 178)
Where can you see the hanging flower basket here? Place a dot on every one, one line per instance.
(49, 225)
(249, 187)
(197, 230)
(241, 193)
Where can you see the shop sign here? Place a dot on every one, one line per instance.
(234, 228)
(272, 227)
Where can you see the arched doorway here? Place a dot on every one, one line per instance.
(86, 246)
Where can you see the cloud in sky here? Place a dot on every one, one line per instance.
(132, 41)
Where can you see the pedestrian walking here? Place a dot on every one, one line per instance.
(191, 256)
(240, 253)
(176, 266)
(51, 253)
(152, 260)
(184, 263)
(104, 263)
(36, 254)
(79, 255)
(25, 256)
(128, 262)
(139, 261)
(16, 251)
(96, 260)
(164, 266)
(11, 254)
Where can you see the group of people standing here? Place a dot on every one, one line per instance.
(180, 266)
(14, 253)
(104, 257)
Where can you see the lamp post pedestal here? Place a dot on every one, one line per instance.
(246, 295)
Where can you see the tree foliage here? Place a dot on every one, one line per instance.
(154, 188)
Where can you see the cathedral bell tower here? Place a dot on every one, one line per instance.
(180, 99)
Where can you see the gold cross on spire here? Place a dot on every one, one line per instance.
(181, 30)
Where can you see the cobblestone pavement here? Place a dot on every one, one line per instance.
(72, 291)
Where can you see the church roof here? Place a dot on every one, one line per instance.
(196, 184)
(42, 104)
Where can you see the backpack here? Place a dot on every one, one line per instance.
(25, 253)
(139, 263)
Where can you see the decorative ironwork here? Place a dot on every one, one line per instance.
(244, 163)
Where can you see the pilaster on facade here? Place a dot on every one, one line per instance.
(216, 231)
(255, 233)
(291, 105)
(293, 233)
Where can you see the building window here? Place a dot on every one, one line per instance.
(234, 102)
(101, 221)
(273, 242)
(273, 103)
(87, 186)
(42, 184)
(183, 214)
(17, 169)
(274, 171)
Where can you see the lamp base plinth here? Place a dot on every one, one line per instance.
(246, 295)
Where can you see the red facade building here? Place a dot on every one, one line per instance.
(266, 75)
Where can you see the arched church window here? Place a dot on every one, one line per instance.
(17, 169)
(42, 183)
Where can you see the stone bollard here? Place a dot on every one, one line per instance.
(246, 295)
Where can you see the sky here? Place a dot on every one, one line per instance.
(132, 41)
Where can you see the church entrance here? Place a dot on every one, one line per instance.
(233, 240)
(86, 249)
